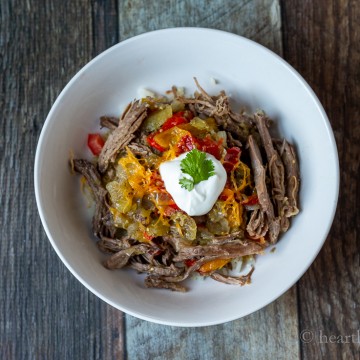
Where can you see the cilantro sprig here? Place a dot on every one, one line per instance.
(197, 166)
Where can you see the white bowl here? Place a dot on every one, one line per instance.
(253, 76)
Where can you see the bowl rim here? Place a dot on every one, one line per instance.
(45, 129)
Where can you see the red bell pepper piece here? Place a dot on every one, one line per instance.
(178, 118)
(147, 236)
(153, 143)
(181, 117)
(251, 200)
(190, 262)
(210, 146)
(95, 143)
(186, 144)
(232, 157)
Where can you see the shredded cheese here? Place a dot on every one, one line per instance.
(245, 181)
(138, 177)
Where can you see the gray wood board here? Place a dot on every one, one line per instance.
(45, 312)
(271, 333)
(259, 20)
(322, 41)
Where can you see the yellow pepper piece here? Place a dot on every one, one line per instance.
(170, 137)
(213, 265)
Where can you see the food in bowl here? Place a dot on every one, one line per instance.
(186, 185)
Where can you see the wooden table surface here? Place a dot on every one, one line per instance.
(45, 312)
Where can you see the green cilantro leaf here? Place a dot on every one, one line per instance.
(188, 184)
(197, 166)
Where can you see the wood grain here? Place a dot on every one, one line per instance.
(45, 312)
(258, 20)
(270, 333)
(322, 40)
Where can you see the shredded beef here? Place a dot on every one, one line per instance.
(154, 282)
(121, 258)
(158, 270)
(228, 250)
(257, 226)
(276, 169)
(176, 242)
(231, 141)
(92, 176)
(109, 122)
(290, 161)
(233, 280)
(238, 124)
(262, 192)
(233, 237)
(123, 134)
(139, 149)
(113, 245)
(189, 270)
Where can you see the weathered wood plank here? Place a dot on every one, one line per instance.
(105, 34)
(45, 312)
(276, 325)
(322, 40)
(270, 333)
(105, 25)
(258, 20)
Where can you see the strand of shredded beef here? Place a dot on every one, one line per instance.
(231, 141)
(93, 178)
(140, 149)
(234, 237)
(262, 192)
(157, 270)
(123, 134)
(233, 280)
(276, 169)
(151, 282)
(237, 124)
(113, 245)
(257, 226)
(121, 258)
(228, 250)
(191, 269)
(109, 122)
(291, 164)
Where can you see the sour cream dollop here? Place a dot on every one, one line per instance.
(202, 198)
